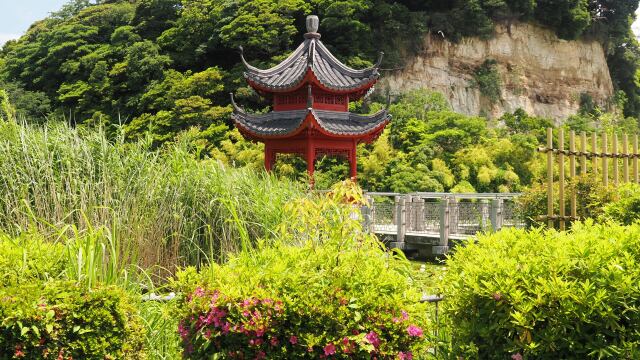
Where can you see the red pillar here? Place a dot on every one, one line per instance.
(269, 158)
(353, 165)
(311, 158)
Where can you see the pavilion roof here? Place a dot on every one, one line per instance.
(312, 56)
(283, 123)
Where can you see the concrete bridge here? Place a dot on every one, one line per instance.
(431, 223)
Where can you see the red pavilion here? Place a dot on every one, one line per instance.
(311, 91)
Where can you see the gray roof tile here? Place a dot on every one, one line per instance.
(285, 122)
(314, 55)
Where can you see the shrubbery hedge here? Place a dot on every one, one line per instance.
(546, 294)
(28, 258)
(626, 208)
(60, 320)
(337, 294)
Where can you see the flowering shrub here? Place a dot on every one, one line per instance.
(336, 293)
(546, 295)
(59, 320)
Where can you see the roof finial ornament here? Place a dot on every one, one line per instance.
(244, 61)
(235, 106)
(313, 23)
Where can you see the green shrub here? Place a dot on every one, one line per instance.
(592, 197)
(546, 294)
(27, 258)
(487, 79)
(337, 293)
(626, 207)
(62, 320)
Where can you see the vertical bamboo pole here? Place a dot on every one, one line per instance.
(635, 158)
(625, 157)
(550, 177)
(561, 176)
(615, 160)
(594, 151)
(572, 170)
(605, 165)
(583, 158)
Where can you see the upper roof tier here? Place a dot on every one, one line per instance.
(312, 62)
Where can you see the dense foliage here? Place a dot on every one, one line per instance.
(625, 207)
(546, 294)
(323, 289)
(166, 206)
(166, 66)
(61, 320)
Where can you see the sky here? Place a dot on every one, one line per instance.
(17, 15)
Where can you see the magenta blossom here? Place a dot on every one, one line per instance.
(293, 340)
(330, 349)
(517, 356)
(405, 355)
(373, 338)
(414, 331)
(274, 341)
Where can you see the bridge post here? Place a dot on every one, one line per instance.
(409, 212)
(484, 213)
(418, 204)
(401, 215)
(443, 245)
(367, 214)
(497, 214)
(454, 216)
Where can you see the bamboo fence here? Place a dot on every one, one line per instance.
(578, 157)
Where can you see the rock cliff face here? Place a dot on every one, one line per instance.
(539, 72)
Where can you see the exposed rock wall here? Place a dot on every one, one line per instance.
(539, 72)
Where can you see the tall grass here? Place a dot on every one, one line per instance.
(164, 208)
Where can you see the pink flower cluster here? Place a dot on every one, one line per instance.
(261, 328)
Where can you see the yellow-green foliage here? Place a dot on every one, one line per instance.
(61, 320)
(335, 283)
(546, 294)
(626, 205)
(7, 112)
(27, 258)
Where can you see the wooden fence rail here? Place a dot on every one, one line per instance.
(597, 150)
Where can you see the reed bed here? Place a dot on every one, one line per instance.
(162, 208)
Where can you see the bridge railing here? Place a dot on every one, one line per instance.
(440, 216)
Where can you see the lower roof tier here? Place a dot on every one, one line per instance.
(285, 124)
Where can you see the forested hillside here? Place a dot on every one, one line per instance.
(161, 67)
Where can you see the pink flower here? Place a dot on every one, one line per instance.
(516, 356)
(405, 355)
(225, 328)
(405, 316)
(497, 296)
(274, 341)
(330, 349)
(199, 292)
(373, 338)
(293, 340)
(18, 351)
(261, 355)
(414, 331)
